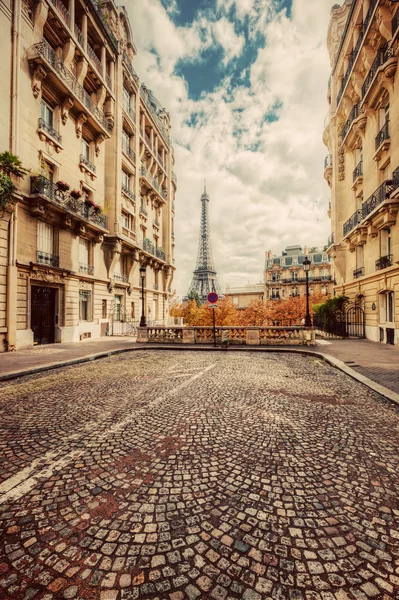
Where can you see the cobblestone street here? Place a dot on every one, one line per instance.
(172, 476)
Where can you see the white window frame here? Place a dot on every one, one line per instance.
(85, 305)
(47, 111)
(45, 237)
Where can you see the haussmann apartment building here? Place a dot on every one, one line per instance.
(362, 167)
(99, 198)
(285, 276)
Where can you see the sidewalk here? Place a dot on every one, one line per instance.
(378, 362)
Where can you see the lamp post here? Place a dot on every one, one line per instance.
(306, 265)
(143, 321)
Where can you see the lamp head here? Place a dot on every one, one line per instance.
(142, 270)
(306, 264)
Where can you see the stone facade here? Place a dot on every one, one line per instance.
(285, 276)
(244, 295)
(362, 135)
(99, 199)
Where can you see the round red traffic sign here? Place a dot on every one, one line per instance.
(213, 298)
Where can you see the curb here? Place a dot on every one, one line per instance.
(334, 362)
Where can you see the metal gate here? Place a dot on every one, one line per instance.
(355, 324)
(121, 322)
(43, 314)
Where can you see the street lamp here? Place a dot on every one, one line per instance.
(306, 265)
(143, 322)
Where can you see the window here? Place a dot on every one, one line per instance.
(84, 249)
(84, 305)
(45, 237)
(294, 260)
(359, 257)
(125, 220)
(387, 313)
(85, 149)
(47, 114)
(132, 311)
(294, 276)
(126, 98)
(104, 308)
(125, 141)
(125, 179)
(385, 242)
(117, 309)
(47, 170)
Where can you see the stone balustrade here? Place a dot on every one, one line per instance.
(296, 335)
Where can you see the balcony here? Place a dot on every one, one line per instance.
(155, 287)
(128, 63)
(383, 262)
(79, 36)
(42, 188)
(95, 60)
(331, 240)
(384, 61)
(353, 57)
(129, 151)
(86, 269)
(143, 210)
(358, 171)
(128, 193)
(49, 132)
(102, 18)
(156, 224)
(62, 11)
(120, 278)
(86, 164)
(358, 272)
(382, 141)
(381, 194)
(153, 112)
(160, 253)
(353, 221)
(174, 178)
(154, 184)
(148, 246)
(130, 112)
(44, 258)
(328, 168)
(66, 83)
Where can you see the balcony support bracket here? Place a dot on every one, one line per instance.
(65, 108)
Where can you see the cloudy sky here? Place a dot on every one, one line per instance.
(245, 82)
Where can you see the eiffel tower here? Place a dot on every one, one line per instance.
(204, 280)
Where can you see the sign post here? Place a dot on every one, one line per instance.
(212, 299)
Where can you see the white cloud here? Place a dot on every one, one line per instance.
(265, 179)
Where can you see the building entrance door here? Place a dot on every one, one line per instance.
(43, 314)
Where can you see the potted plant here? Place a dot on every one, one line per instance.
(76, 194)
(9, 165)
(63, 186)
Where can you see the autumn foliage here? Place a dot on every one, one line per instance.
(273, 312)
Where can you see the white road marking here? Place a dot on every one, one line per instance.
(25, 480)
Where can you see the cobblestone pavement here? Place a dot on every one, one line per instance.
(172, 476)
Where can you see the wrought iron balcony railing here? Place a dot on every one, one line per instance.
(395, 179)
(331, 240)
(352, 116)
(129, 110)
(97, 7)
(44, 50)
(79, 36)
(155, 286)
(382, 135)
(44, 258)
(129, 151)
(328, 161)
(154, 114)
(381, 193)
(95, 60)
(119, 277)
(50, 131)
(156, 223)
(86, 269)
(87, 163)
(143, 210)
(131, 195)
(382, 56)
(358, 171)
(383, 262)
(62, 11)
(148, 246)
(356, 50)
(49, 190)
(130, 67)
(160, 253)
(353, 221)
(108, 80)
(358, 272)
